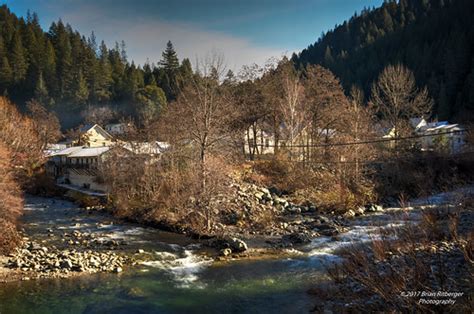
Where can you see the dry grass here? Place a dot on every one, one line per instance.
(435, 255)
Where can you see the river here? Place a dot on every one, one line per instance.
(178, 278)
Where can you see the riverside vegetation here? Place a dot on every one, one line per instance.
(328, 164)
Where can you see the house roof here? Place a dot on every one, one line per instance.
(445, 128)
(89, 152)
(417, 122)
(86, 128)
(67, 151)
(146, 148)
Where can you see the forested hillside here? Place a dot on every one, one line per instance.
(434, 38)
(69, 73)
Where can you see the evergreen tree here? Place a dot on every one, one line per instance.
(102, 92)
(443, 104)
(80, 90)
(432, 37)
(6, 75)
(66, 70)
(123, 52)
(169, 61)
(41, 92)
(18, 59)
(92, 43)
(49, 67)
(151, 100)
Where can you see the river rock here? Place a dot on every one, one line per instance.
(237, 245)
(293, 210)
(349, 214)
(359, 211)
(327, 229)
(296, 238)
(66, 264)
(371, 208)
(226, 252)
(259, 195)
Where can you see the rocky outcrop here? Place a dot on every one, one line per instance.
(90, 240)
(52, 262)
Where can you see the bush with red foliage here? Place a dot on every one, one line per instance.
(20, 158)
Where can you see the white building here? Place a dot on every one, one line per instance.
(436, 136)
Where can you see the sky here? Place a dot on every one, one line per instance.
(243, 31)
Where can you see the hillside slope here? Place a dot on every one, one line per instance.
(434, 38)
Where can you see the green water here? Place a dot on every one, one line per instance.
(218, 291)
(178, 280)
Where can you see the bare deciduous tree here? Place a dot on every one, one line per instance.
(18, 133)
(201, 119)
(397, 98)
(327, 107)
(98, 115)
(44, 122)
(291, 104)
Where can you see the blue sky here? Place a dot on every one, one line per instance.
(244, 31)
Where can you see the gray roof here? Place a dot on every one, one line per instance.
(89, 152)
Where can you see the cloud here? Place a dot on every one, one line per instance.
(146, 36)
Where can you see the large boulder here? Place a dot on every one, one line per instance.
(371, 208)
(234, 244)
(327, 229)
(237, 245)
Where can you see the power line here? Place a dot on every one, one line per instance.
(380, 140)
(382, 161)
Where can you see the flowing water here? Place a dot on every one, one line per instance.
(178, 278)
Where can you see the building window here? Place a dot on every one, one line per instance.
(267, 143)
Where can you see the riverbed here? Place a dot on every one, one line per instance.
(178, 277)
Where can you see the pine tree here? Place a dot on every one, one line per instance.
(151, 100)
(6, 74)
(133, 82)
(328, 59)
(65, 70)
(41, 92)
(92, 43)
(186, 68)
(18, 59)
(185, 74)
(230, 78)
(102, 92)
(123, 52)
(80, 90)
(169, 61)
(443, 104)
(49, 67)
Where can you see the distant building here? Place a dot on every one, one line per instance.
(258, 142)
(435, 136)
(146, 148)
(78, 167)
(442, 136)
(261, 142)
(94, 136)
